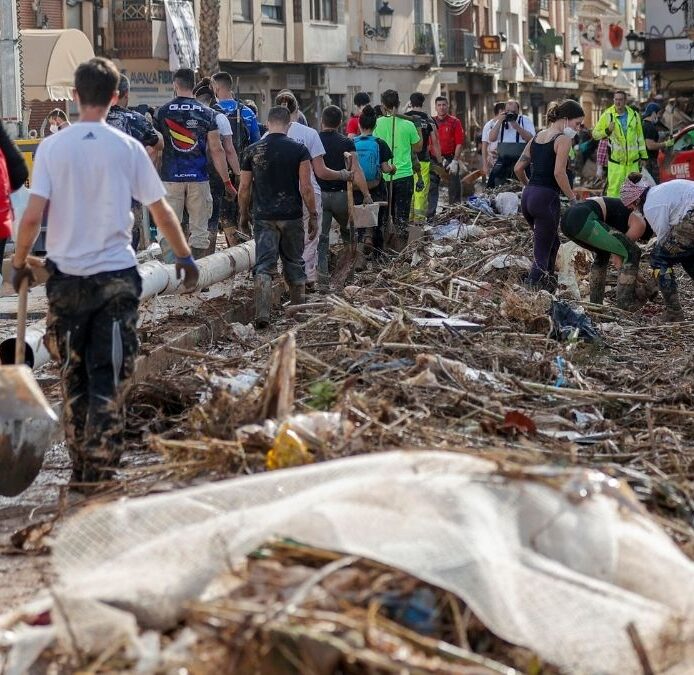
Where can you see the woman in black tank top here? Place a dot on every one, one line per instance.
(547, 155)
(605, 226)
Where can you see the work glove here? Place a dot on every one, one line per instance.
(419, 185)
(312, 226)
(345, 174)
(192, 273)
(19, 274)
(670, 142)
(599, 172)
(452, 168)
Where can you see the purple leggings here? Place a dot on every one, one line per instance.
(540, 206)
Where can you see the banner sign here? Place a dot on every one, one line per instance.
(613, 38)
(590, 31)
(184, 44)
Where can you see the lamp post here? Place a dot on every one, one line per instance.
(575, 56)
(580, 64)
(384, 22)
(636, 43)
(503, 42)
(603, 69)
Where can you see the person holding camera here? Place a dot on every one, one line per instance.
(511, 132)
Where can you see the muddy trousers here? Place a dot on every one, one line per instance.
(275, 239)
(540, 206)
(402, 189)
(91, 329)
(334, 206)
(676, 247)
(454, 190)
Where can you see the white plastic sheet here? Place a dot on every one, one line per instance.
(560, 562)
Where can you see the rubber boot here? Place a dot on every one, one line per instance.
(626, 288)
(297, 294)
(213, 243)
(673, 309)
(198, 252)
(263, 300)
(360, 260)
(598, 280)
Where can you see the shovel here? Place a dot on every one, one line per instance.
(22, 446)
(345, 263)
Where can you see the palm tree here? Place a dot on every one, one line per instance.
(209, 37)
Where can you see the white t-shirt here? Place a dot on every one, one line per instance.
(667, 204)
(507, 134)
(90, 172)
(224, 125)
(486, 130)
(309, 137)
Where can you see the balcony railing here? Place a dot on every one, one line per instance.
(458, 46)
(423, 38)
(139, 10)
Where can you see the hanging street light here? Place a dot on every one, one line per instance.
(580, 65)
(603, 69)
(575, 56)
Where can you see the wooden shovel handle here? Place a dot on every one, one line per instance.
(20, 344)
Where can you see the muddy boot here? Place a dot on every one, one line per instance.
(360, 260)
(213, 243)
(598, 280)
(263, 300)
(673, 309)
(198, 252)
(297, 294)
(626, 288)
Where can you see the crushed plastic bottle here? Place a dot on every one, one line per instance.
(287, 450)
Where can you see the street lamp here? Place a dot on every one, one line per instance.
(575, 56)
(639, 80)
(580, 65)
(384, 22)
(385, 17)
(615, 70)
(603, 69)
(636, 43)
(503, 42)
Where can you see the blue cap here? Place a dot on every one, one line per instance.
(650, 109)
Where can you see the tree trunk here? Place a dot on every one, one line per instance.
(209, 37)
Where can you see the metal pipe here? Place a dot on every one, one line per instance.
(157, 279)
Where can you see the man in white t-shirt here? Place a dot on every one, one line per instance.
(511, 132)
(489, 148)
(309, 137)
(89, 173)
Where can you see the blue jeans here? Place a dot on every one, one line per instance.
(280, 239)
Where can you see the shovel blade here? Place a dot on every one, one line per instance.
(21, 455)
(21, 397)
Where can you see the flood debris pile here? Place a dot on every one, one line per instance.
(315, 569)
(552, 531)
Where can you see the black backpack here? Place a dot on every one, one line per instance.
(241, 135)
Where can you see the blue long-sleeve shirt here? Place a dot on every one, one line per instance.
(247, 115)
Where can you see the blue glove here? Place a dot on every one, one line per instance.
(192, 272)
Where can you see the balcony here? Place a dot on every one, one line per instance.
(538, 6)
(458, 47)
(139, 29)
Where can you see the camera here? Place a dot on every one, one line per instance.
(511, 116)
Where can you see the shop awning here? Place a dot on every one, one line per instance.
(50, 58)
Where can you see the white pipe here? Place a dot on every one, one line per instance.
(157, 279)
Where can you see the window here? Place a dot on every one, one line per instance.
(243, 10)
(324, 10)
(73, 16)
(272, 11)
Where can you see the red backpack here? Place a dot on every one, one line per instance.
(6, 212)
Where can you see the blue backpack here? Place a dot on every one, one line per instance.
(369, 156)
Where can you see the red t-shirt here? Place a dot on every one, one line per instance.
(5, 202)
(450, 132)
(352, 126)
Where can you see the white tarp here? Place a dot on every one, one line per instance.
(557, 561)
(184, 45)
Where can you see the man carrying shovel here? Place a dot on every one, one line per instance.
(90, 173)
